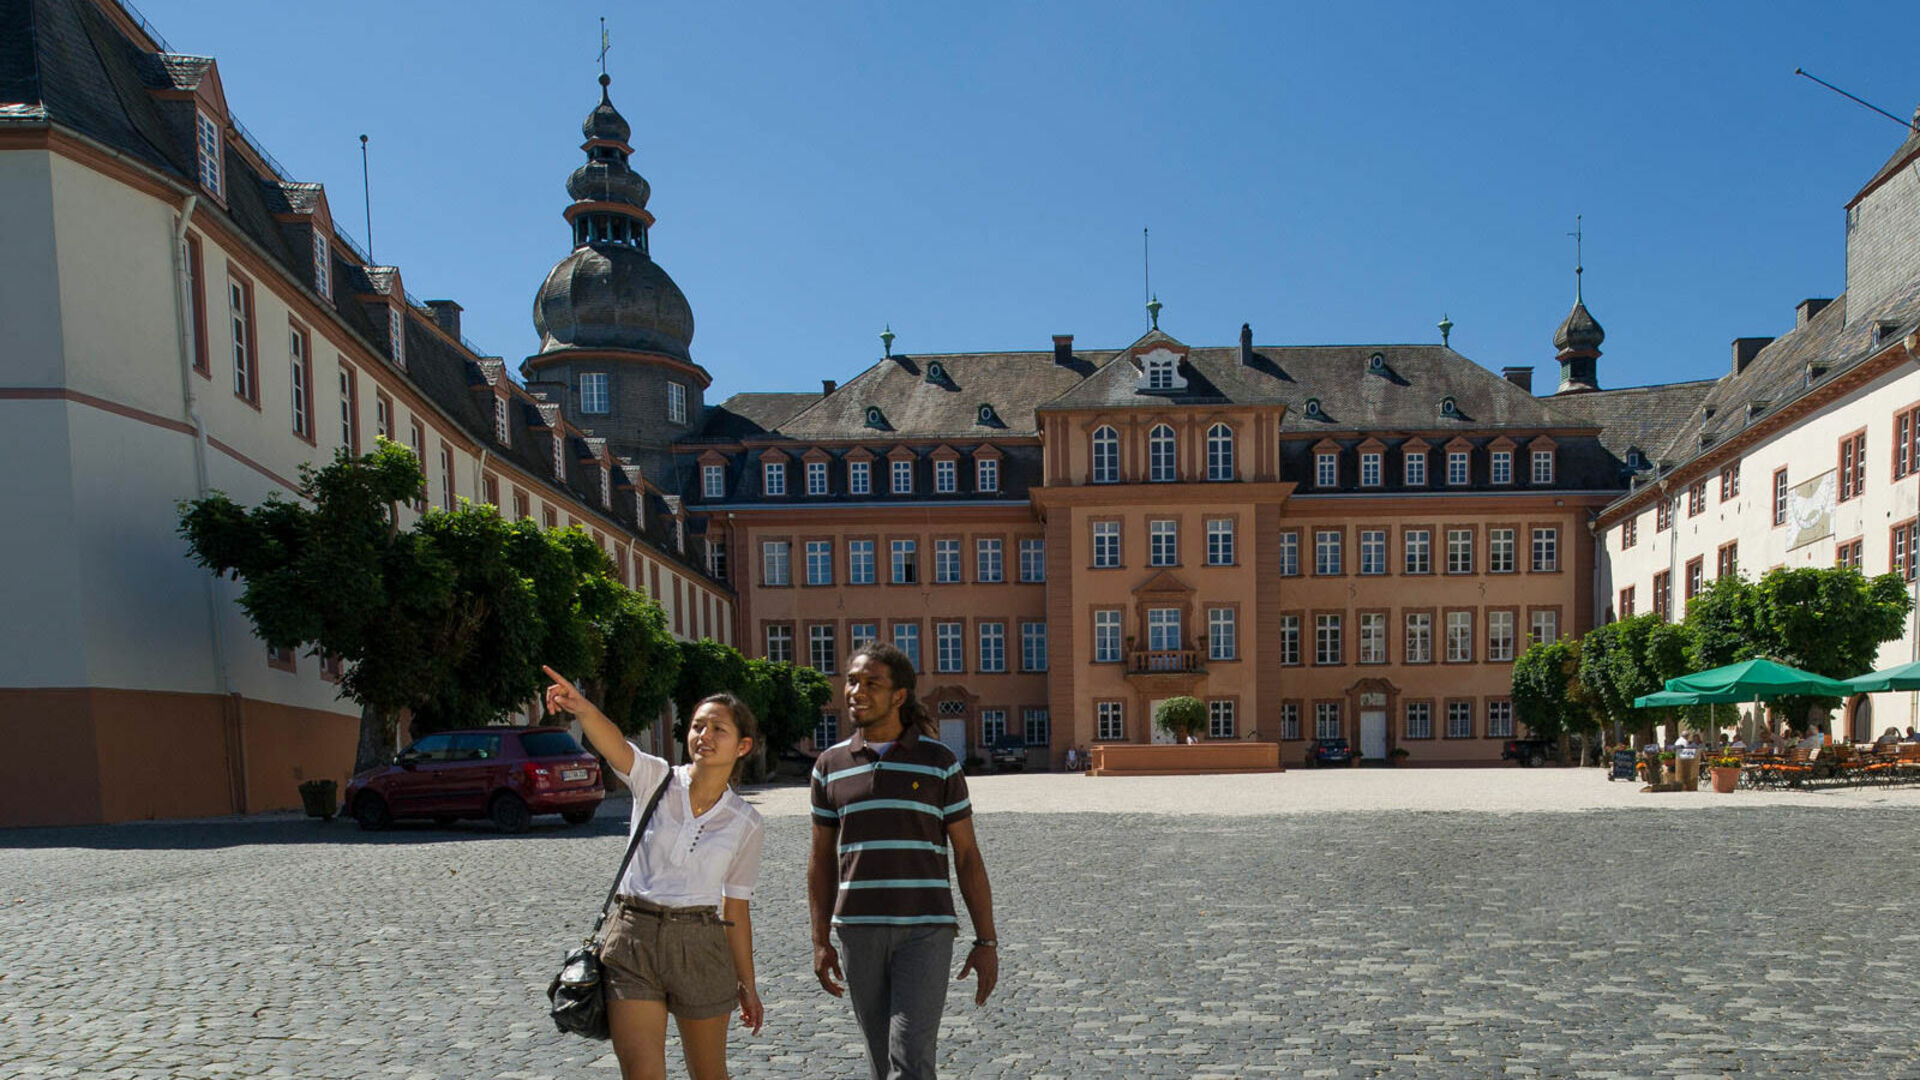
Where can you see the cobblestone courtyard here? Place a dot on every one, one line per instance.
(1749, 938)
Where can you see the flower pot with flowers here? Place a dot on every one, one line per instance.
(1399, 755)
(1726, 771)
(1669, 767)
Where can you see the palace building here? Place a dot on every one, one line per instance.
(1315, 540)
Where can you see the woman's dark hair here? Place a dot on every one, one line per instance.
(743, 720)
(900, 674)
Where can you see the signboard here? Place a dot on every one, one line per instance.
(1810, 509)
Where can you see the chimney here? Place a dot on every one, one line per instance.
(1063, 348)
(1521, 377)
(1246, 344)
(1807, 309)
(1746, 348)
(447, 314)
(828, 386)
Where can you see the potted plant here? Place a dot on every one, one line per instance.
(320, 798)
(1399, 755)
(1181, 717)
(1669, 767)
(1726, 771)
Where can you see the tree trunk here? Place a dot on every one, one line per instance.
(375, 732)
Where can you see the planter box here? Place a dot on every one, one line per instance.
(1151, 759)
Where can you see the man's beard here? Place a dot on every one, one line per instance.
(874, 718)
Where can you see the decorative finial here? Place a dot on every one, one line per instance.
(1153, 311)
(886, 339)
(1446, 329)
(1578, 261)
(605, 44)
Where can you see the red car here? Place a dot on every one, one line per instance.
(507, 774)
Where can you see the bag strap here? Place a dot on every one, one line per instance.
(633, 845)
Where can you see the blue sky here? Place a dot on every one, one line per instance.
(978, 175)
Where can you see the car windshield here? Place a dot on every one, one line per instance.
(475, 746)
(549, 744)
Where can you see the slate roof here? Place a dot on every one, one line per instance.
(1907, 152)
(744, 416)
(1637, 417)
(914, 406)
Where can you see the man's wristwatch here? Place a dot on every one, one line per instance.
(985, 943)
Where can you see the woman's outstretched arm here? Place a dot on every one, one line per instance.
(605, 738)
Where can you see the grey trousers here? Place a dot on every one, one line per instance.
(897, 978)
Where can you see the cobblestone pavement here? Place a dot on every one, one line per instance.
(1771, 941)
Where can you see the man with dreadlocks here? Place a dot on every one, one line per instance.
(888, 804)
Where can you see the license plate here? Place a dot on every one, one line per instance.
(573, 774)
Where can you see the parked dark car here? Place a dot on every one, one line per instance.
(1530, 753)
(507, 774)
(1322, 752)
(1009, 753)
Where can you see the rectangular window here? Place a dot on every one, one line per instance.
(1327, 646)
(1326, 720)
(989, 563)
(1500, 466)
(1696, 498)
(1222, 635)
(246, 378)
(948, 646)
(1419, 720)
(1033, 646)
(1414, 468)
(446, 478)
(1106, 636)
(1626, 602)
(1456, 467)
(713, 481)
(776, 559)
(826, 731)
(773, 477)
(1500, 636)
(676, 403)
(946, 474)
(1419, 551)
(1373, 637)
(593, 393)
(859, 562)
(1039, 726)
(300, 363)
(1106, 543)
(1220, 720)
(1500, 544)
(1906, 442)
(1780, 496)
(207, 146)
(1290, 640)
(1326, 470)
(819, 562)
(197, 296)
(1729, 483)
(1290, 553)
(1459, 551)
(903, 478)
(1629, 533)
(1219, 542)
(1290, 720)
(382, 415)
(322, 266)
(1543, 467)
(1459, 719)
(906, 638)
(906, 563)
(1370, 468)
(816, 478)
(1546, 550)
(820, 649)
(993, 646)
(1663, 595)
(1545, 626)
(862, 634)
(716, 556)
(986, 475)
(1853, 466)
(1727, 560)
(1111, 721)
(420, 455)
(859, 478)
(1459, 637)
(502, 426)
(1849, 554)
(1163, 542)
(993, 724)
(350, 410)
(1905, 550)
(946, 562)
(1033, 560)
(780, 644)
(1499, 719)
(1163, 629)
(1419, 648)
(1663, 514)
(1373, 551)
(1326, 551)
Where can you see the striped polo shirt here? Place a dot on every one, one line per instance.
(892, 814)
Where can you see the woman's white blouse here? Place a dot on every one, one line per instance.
(687, 861)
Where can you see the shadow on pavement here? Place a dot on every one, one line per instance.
(206, 834)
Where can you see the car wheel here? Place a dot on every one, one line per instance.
(371, 811)
(577, 817)
(509, 812)
(1536, 759)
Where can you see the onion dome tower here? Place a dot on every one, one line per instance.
(615, 331)
(1578, 341)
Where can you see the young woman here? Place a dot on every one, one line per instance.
(682, 943)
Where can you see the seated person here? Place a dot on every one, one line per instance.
(1888, 737)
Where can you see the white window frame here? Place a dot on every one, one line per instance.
(902, 477)
(713, 481)
(397, 336)
(1106, 636)
(1459, 719)
(861, 634)
(1500, 467)
(989, 560)
(1033, 561)
(1419, 551)
(1419, 720)
(1329, 646)
(986, 475)
(1499, 636)
(859, 478)
(240, 321)
(949, 647)
(1546, 549)
(1418, 638)
(1289, 720)
(1500, 549)
(208, 153)
(1163, 456)
(1542, 623)
(1370, 469)
(993, 724)
(1413, 468)
(1459, 637)
(1289, 643)
(819, 562)
(1106, 544)
(1326, 720)
(946, 476)
(903, 562)
(1163, 542)
(773, 478)
(1106, 455)
(1373, 552)
(816, 477)
(502, 425)
(1459, 551)
(1163, 629)
(820, 649)
(1220, 720)
(1110, 721)
(1459, 468)
(322, 266)
(826, 731)
(906, 638)
(1033, 646)
(1328, 559)
(1219, 453)
(1290, 553)
(297, 380)
(946, 561)
(1326, 470)
(860, 562)
(780, 643)
(1499, 719)
(993, 647)
(776, 562)
(1373, 637)
(1220, 542)
(676, 403)
(594, 387)
(1223, 636)
(1543, 467)
(1037, 725)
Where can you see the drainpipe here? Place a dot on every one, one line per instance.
(480, 473)
(223, 671)
(1912, 345)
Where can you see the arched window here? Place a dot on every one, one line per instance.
(1106, 455)
(1161, 461)
(1219, 452)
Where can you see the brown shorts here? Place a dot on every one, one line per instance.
(676, 955)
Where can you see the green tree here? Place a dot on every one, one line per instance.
(639, 659)
(1543, 691)
(1625, 660)
(708, 667)
(1181, 716)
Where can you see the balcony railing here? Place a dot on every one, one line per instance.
(1162, 661)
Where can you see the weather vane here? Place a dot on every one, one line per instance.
(1578, 260)
(605, 44)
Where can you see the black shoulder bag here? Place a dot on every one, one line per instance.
(576, 997)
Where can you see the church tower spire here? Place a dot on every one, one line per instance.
(1579, 337)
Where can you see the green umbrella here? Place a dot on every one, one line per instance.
(1662, 699)
(1904, 677)
(1750, 680)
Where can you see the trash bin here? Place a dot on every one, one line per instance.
(321, 798)
(1689, 767)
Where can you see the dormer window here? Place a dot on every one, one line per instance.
(207, 144)
(1633, 458)
(322, 266)
(1313, 407)
(1160, 373)
(396, 337)
(936, 373)
(1448, 407)
(502, 431)
(1377, 362)
(875, 419)
(606, 488)
(559, 453)
(986, 417)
